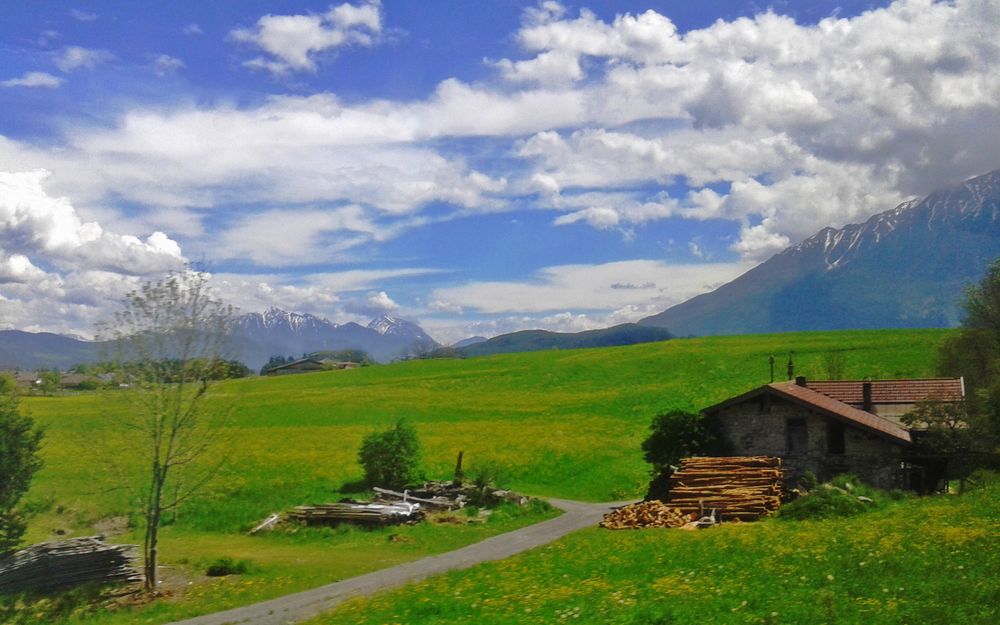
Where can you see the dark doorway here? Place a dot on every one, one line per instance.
(798, 436)
(835, 437)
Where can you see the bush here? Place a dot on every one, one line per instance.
(221, 567)
(843, 496)
(390, 458)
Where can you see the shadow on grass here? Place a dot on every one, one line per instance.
(353, 487)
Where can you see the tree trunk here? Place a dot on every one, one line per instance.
(153, 513)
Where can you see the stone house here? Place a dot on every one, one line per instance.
(835, 426)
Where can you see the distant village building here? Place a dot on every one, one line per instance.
(302, 365)
(832, 427)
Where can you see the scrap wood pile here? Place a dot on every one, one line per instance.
(451, 495)
(742, 487)
(645, 514)
(66, 563)
(359, 513)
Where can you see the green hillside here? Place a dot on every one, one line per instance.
(562, 423)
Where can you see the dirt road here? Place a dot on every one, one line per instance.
(309, 603)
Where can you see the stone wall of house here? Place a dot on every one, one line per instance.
(759, 427)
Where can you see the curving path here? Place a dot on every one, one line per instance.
(310, 603)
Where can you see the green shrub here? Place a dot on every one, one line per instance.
(843, 496)
(390, 458)
(221, 567)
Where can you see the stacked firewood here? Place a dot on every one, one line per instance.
(644, 514)
(358, 513)
(744, 488)
(67, 563)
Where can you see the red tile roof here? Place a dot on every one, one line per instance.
(892, 391)
(826, 405)
(840, 410)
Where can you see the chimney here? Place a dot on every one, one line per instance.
(866, 395)
(800, 380)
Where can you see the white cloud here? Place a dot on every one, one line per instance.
(59, 273)
(593, 287)
(831, 121)
(83, 16)
(282, 237)
(294, 41)
(192, 29)
(34, 79)
(373, 304)
(73, 58)
(32, 223)
(164, 64)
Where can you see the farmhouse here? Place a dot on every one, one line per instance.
(836, 426)
(302, 365)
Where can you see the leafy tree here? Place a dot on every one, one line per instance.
(390, 458)
(20, 441)
(51, 380)
(275, 361)
(676, 434)
(949, 432)
(166, 338)
(971, 438)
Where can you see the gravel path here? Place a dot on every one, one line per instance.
(309, 603)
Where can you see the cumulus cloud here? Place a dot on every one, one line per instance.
(34, 223)
(373, 304)
(192, 29)
(61, 273)
(836, 120)
(73, 58)
(293, 42)
(164, 65)
(34, 79)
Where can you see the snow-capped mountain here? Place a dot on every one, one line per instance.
(387, 325)
(276, 332)
(905, 267)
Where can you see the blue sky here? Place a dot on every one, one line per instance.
(481, 167)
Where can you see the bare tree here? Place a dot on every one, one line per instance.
(166, 340)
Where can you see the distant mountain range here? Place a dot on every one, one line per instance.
(536, 340)
(256, 337)
(904, 268)
(44, 350)
(275, 332)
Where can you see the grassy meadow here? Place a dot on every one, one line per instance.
(932, 561)
(558, 423)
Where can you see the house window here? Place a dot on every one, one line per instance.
(798, 436)
(835, 437)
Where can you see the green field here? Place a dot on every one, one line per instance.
(926, 561)
(561, 423)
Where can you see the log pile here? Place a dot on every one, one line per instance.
(744, 488)
(644, 514)
(66, 563)
(358, 513)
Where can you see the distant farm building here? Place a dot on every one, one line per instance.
(302, 365)
(833, 427)
(307, 365)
